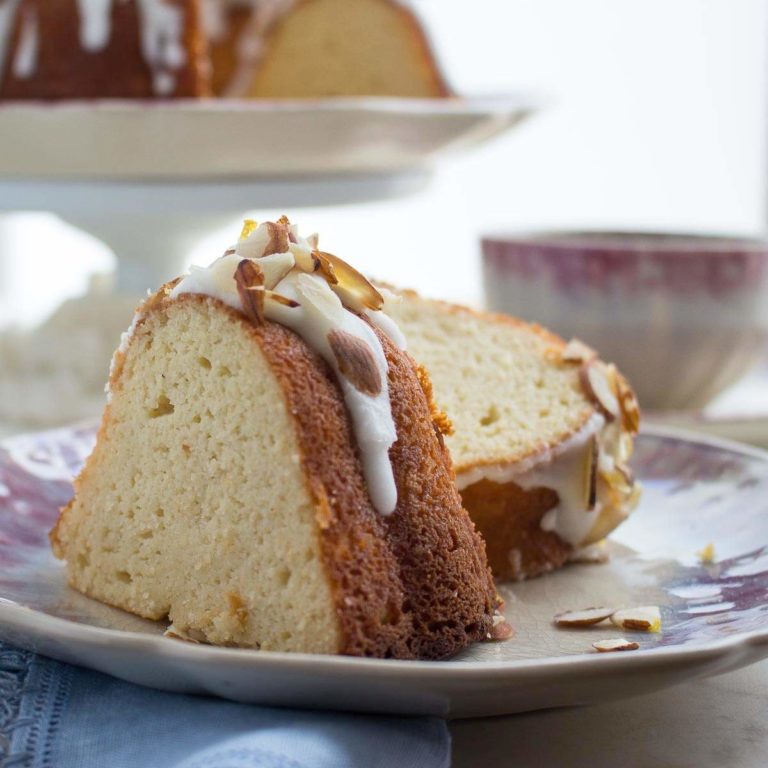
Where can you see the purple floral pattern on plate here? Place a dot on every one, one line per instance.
(715, 614)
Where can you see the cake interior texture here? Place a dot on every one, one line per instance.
(198, 425)
(343, 48)
(505, 397)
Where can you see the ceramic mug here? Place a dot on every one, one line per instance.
(683, 316)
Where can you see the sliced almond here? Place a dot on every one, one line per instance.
(353, 288)
(279, 240)
(626, 473)
(250, 287)
(276, 297)
(279, 299)
(625, 448)
(303, 258)
(630, 408)
(590, 475)
(356, 362)
(587, 617)
(644, 618)
(576, 351)
(324, 266)
(313, 240)
(616, 644)
(619, 482)
(275, 267)
(596, 379)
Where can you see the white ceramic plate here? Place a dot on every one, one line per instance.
(715, 616)
(184, 139)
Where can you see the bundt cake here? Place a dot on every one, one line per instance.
(64, 49)
(70, 49)
(319, 48)
(270, 470)
(542, 431)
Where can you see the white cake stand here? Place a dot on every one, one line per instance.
(152, 227)
(150, 180)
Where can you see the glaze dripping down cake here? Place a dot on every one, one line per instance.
(270, 471)
(543, 431)
(71, 49)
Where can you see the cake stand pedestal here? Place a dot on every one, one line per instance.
(153, 226)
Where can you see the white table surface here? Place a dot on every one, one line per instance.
(720, 722)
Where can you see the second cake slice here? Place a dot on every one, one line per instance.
(542, 431)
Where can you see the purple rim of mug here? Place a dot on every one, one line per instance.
(634, 261)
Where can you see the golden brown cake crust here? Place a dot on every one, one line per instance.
(448, 584)
(362, 568)
(412, 585)
(65, 70)
(509, 518)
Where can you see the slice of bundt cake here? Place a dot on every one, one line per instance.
(542, 431)
(270, 471)
(69, 49)
(320, 48)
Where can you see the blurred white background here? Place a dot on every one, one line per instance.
(655, 120)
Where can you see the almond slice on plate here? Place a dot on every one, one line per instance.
(644, 618)
(587, 617)
(616, 644)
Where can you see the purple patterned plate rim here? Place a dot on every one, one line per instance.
(700, 636)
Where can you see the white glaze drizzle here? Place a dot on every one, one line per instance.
(250, 46)
(25, 60)
(8, 10)
(383, 321)
(506, 472)
(213, 14)
(319, 312)
(95, 23)
(562, 469)
(162, 25)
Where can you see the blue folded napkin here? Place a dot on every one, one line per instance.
(53, 715)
